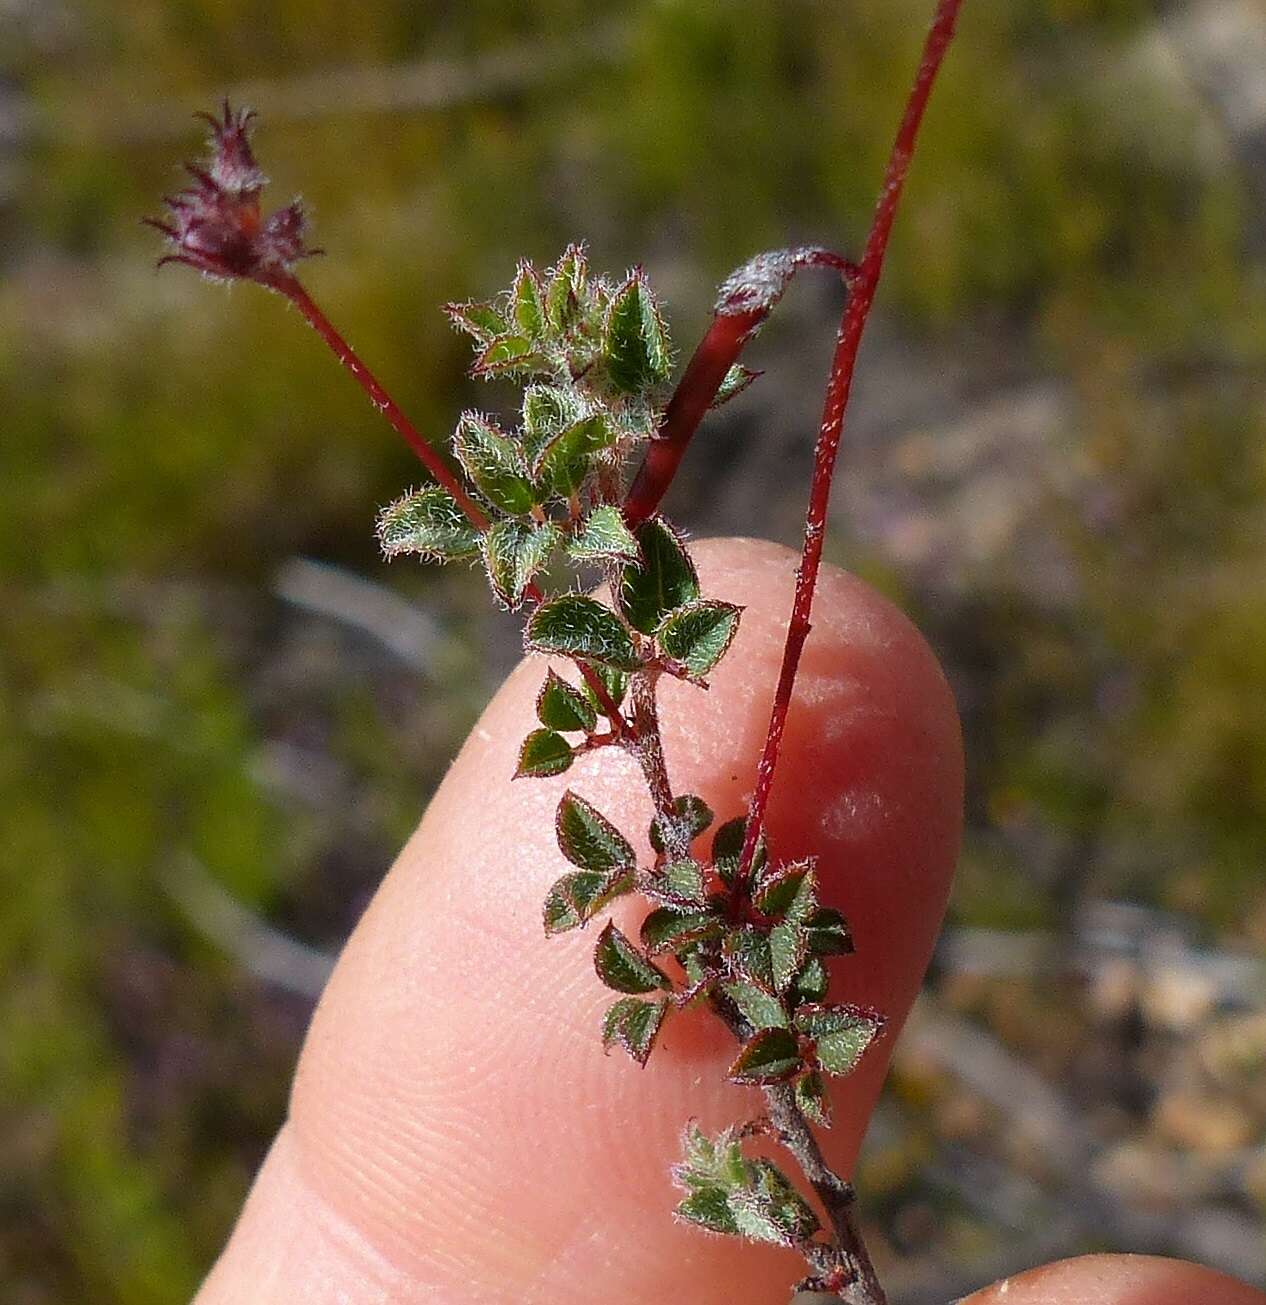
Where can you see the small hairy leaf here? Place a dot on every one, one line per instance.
(812, 1100)
(829, 934)
(679, 883)
(566, 293)
(482, 321)
(603, 537)
(709, 1208)
(622, 967)
(575, 626)
(633, 1025)
(562, 463)
(698, 635)
(789, 890)
(547, 410)
(788, 948)
(493, 464)
(589, 840)
(526, 302)
(663, 580)
(561, 707)
(513, 552)
(508, 355)
(770, 1209)
(615, 682)
(635, 340)
(812, 981)
(841, 1034)
(736, 380)
(692, 816)
(769, 1056)
(710, 1162)
(667, 929)
(543, 754)
(746, 951)
(427, 521)
(576, 898)
(758, 1006)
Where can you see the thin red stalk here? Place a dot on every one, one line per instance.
(288, 284)
(852, 324)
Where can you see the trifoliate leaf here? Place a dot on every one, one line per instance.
(709, 1208)
(667, 929)
(829, 934)
(735, 381)
(615, 682)
(698, 635)
(622, 967)
(561, 707)
(812, 981)
(633, 1025)
(769, 1056)
(603, 537)
(562, 463)
(483, 321)
(526, 302)
(509, 355)
(691, 816)
(788, 948)
(789, 890)
(514, 551)
(635, 341)
(589, 840)
(427, 521)
(575, 626)
(576, 898)
(770, 1209)
(758, 1006)
(812, 1099)
(543, 754)
(841, 1034)
(565, 294)
(663, 580)
(711, 1162)
(493, 464)
(678, 883)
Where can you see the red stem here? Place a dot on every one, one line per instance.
(852, 324)
(288, 284)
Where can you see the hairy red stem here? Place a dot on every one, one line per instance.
(839, 385)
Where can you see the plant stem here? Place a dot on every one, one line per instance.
(839, 386)
(286, 283)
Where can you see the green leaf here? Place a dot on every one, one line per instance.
(711, 1162)
(575, 626)
(698, 635)
(561, 707)
(758, 1006)
(622, 967)
(709, 1208)
(789, 890)
(770, 1209)
(633, 1025)
(829, 934)
(526, 302)
(769, 1056)
(483, 321)
(635, 340)
(603, 537)
(812, 1099)
(563, 462)
(576, 898)
(514, 551)
(679, 883)
(427, 521)
(589, 840)
(735, 381)
(668, 930)
(508, 355)
(663, 580)
(788, 948)
(746, 951)
(812, 981)
(493, 464)
(543, 754)
(566, 293)
(692, 816)
(615, 682)
(727, 842)
(840, 1033)
(547, 410)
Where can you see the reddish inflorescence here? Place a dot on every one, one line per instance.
(216, 224)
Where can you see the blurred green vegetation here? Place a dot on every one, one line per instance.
(1076, 213)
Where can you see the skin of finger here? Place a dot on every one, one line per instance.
(1119, 1280)
(456, 1132)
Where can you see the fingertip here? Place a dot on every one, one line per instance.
(1119, 1280)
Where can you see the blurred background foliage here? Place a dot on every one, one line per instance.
(221, 713)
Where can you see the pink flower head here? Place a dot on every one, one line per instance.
(216, 224)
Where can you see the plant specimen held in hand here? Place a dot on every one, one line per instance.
(546, 505)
